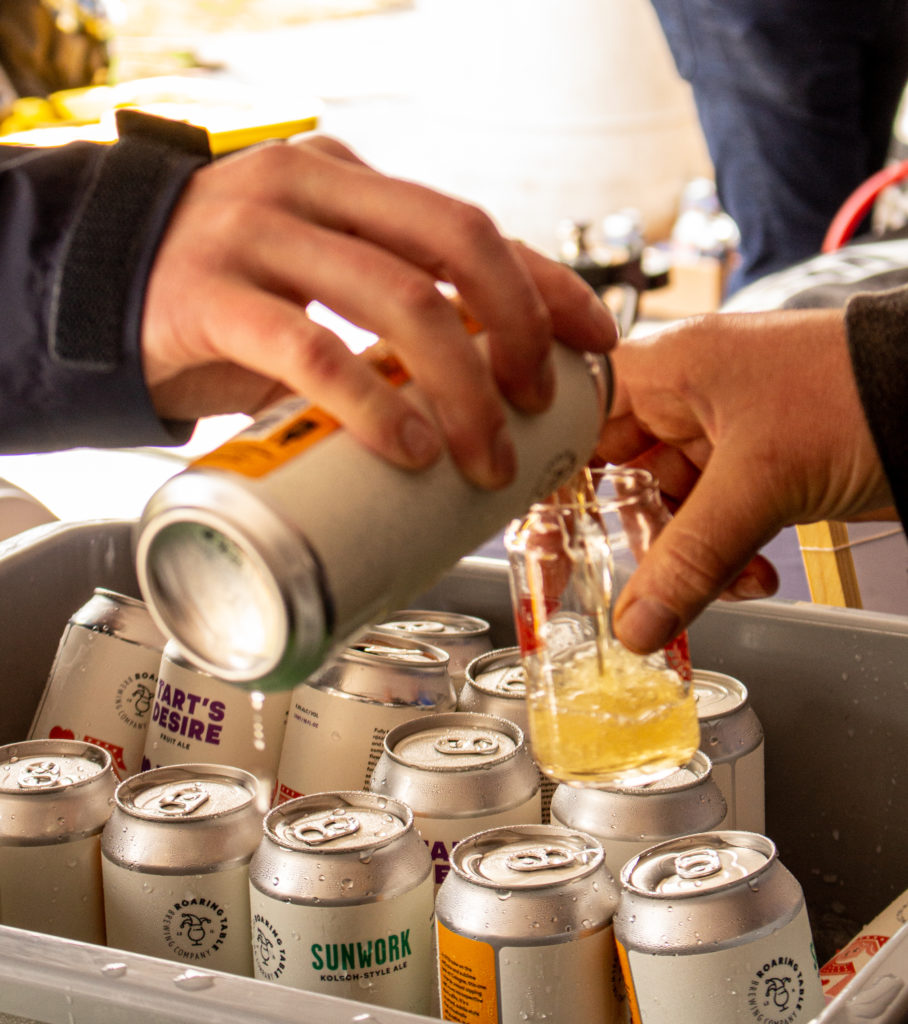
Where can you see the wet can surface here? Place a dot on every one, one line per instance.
(341, 897)
(711, 929)
(102, 681)
(460, 773)
(196, 718)
(175, 858)
(55, 798)
(229, 540)
(464, 637)
(339, 716)
(524, 929)
(732, 736)
(496, 684)
(629, 819)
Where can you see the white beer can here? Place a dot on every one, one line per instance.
(339, 716)
(268, 553)
(460, 773)
(712, 929)
(341, 897)
(464, 637)
(524, 930)
(196, 718)
(732, 737)
(628, 819)
(55, 797)
(102, 680)
(175, 859)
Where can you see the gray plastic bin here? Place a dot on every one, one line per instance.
(829, 685)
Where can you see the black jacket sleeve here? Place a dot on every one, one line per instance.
(79, 228)
(878, 340)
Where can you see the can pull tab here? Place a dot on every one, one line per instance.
(40, 775)
(699, 863)
(314, 833)
(179, 801)
(514, 681)
(464, 744)
(540, 858)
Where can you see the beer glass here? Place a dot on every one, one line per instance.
(599, 714)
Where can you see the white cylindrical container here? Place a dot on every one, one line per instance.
(175, 860)
(274, 548)
(198, 718)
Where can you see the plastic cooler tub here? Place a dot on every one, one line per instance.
(830, 686)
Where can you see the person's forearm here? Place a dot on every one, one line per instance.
(79, 226)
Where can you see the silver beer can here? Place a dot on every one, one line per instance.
(55, 797)
(627, 820)
(270, 551)
(524, 929)
(732, 736)
(460, 773)
(464, 637)
(339, 716)
(102, 681)
(198, 719)
(711, 929)
(496, 684)
(175, 859)
(341, 898)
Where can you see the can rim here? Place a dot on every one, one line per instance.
(62, 747)
(189, 772)
(328, 800)
(730, 837)
(480, 719)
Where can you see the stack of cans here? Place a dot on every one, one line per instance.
(414, 856)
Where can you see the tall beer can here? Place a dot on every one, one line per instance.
(55, 796)
(339, 715)
(460, 773)
(196, 718)
(464, 637)
(175, 858)
(273, 549)
(627, 820)
(102, 680)
(341, 898)
(524, 929)
(712, 929)
(496, 684)
(732, 736)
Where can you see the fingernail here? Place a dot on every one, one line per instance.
(645, 625)
(748, 588)
(419, 440)
(504, 457)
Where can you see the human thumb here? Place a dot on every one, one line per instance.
(706, 549)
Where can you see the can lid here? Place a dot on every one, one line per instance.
(461, 741)
(697, 770)
(717, 694)
(696, 864)
(526, 856)
(499, 673)
(120, 615)
(187, 792)
(382, 650)
(49, 765)
(343, 822)
(436, 624)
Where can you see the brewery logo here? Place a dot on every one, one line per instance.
(776, 992)
(195, 928)
(268, 950)
(134, 697)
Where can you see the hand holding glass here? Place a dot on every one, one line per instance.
(599, 714)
